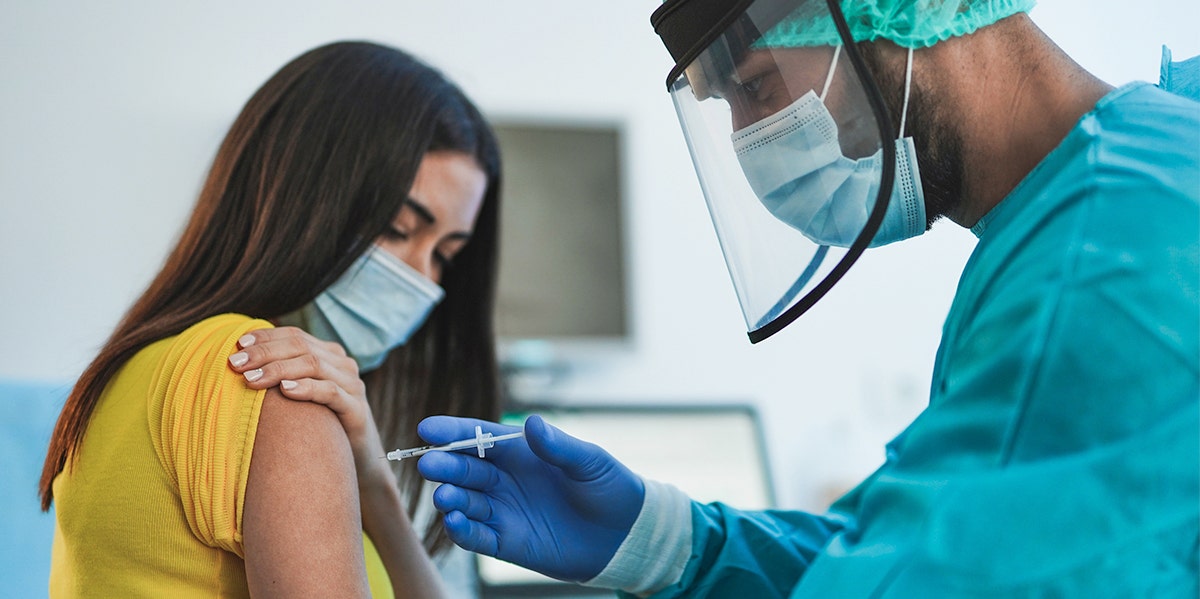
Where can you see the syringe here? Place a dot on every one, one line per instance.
(481, 441)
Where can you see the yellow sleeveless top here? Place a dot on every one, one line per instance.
(152, 506)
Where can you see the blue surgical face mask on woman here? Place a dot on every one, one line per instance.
(372, 309)
(794, 164)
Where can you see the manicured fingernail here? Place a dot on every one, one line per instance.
(246, 340)
(239, 358)
(288, 385)
(253, 375)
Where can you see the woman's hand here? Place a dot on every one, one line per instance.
(308, 369)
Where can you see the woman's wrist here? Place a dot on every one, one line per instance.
(374, 470)
(377, 478)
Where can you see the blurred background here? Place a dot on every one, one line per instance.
(110, 114)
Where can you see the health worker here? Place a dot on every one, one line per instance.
(1059, 455)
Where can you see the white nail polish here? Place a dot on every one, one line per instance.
(254, 375)
(239, 358)
(246, 340)
(288, 385)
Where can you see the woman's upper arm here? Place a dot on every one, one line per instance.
(301, 523)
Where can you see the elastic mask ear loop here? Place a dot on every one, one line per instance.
(832, 67)
(907, 86)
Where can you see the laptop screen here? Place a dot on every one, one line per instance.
(711, 453)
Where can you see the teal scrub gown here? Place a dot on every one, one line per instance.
(1059, 455)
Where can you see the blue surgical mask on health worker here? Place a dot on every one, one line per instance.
(373, 308)
(795, 165)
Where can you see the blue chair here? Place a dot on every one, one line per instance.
(28, 411)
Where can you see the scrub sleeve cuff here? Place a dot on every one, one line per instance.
(657, 548)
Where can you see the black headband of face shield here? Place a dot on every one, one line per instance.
(689, 27)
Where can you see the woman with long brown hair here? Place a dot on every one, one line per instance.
(355, 198)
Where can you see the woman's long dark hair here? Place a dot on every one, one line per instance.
(312, 171)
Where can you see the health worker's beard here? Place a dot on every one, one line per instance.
(938, 144)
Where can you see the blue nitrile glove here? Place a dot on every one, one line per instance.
(548, 502)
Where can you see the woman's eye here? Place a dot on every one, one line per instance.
(442, 259)
(396, 233)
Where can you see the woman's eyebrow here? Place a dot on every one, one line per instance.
(421, 210)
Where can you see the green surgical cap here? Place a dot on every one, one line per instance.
(908, 23)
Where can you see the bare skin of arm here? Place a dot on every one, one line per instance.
(323, 374)
(301, 520)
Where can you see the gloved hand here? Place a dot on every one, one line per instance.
(548, 502)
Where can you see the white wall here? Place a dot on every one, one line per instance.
(110, 113)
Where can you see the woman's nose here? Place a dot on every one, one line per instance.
(423, 262)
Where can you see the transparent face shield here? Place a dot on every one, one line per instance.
(790, 150)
